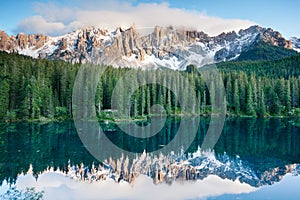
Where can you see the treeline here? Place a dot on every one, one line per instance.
(33, 89)
(263, 51)
(37, 89)
(282, 68)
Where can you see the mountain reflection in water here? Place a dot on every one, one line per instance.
(254, 151)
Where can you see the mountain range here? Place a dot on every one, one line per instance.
(170, 47)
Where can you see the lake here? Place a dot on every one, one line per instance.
(252, 159)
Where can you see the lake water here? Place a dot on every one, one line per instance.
(252, 159)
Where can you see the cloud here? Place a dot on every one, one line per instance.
(37, 24)
(53, 19)
(53, 12)
(56, 184)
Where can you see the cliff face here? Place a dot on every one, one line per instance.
(275, 38)
(168, 47)
(21, 41)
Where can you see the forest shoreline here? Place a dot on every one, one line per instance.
(42, 90)
(145, 118)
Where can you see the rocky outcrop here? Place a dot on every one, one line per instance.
(21, 42)
(128, 43)
(7, 43)
(126, 47)
(274, 38)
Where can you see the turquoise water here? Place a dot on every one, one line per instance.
(261, 145)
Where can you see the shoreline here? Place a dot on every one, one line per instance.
(145, 118)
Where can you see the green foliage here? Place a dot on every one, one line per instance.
(4, 91)
(4, 98)
(249, 102)
(38, 89)
(283, 68)
(264, 51)
(61, 112)
(296, 112)
(11, 115)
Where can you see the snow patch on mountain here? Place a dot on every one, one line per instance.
(163, 48)
(296, 43)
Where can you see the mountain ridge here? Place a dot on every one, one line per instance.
(164, 47)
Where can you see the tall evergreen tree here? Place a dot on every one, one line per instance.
(229, 92)
(4, 97)
(148, 100)
(249, 101)
(288, 99)
(262, 106)
(236, 97)
(99, 97)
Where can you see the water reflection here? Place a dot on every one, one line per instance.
(258, 152)
(57, 186)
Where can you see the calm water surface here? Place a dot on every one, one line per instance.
(258, 156)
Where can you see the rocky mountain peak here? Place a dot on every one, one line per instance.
(274, 38)
(6, 42)
(164, 47)
(21, 41)
(227, 36)
(251, 30)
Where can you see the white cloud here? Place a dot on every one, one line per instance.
(37, 24)
(53, 12)
(54, 19)
(55, 185)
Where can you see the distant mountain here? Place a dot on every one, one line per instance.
(164, 47)
(296, 43)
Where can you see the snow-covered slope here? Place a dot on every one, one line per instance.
(296, 43)
(165, 47)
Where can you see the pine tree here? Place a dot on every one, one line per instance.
(169, 102)
(236, 97)
(295, 92)
(254, 90)
(4, 97)
(199, 103)
(261, 111)
(184, 95)
(204, 102)
(153, 89)
(99, 97)
(274, 103)
(135, 107)
(141, 101)
(229, 91)
(148, 100)
(176, 92)
(119, 99)
(243, 82)
(280, 90)
(288, 99)
(192, 95)
(249, 102)
(212, 93)
(262, 106)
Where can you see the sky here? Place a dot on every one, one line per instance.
(58, 17)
